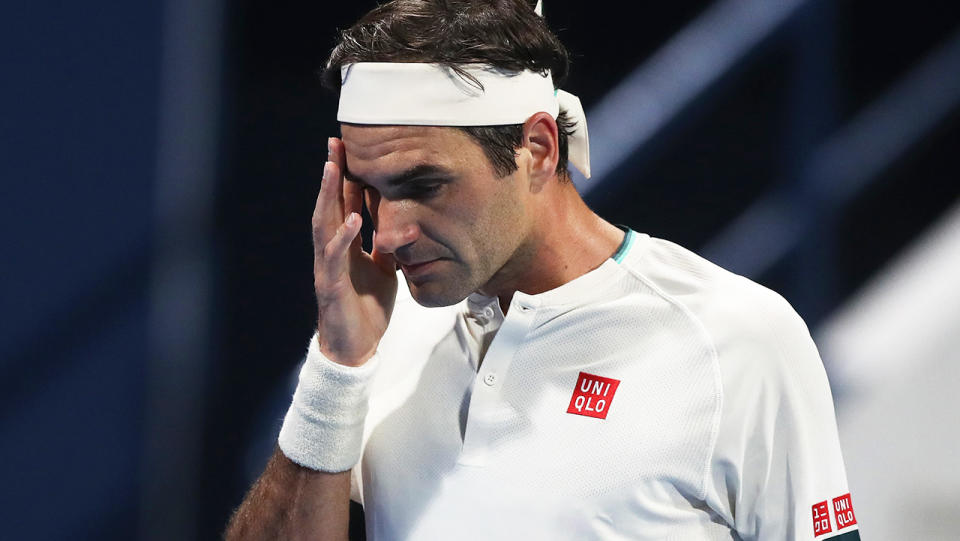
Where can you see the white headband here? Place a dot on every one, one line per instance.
(434, 95)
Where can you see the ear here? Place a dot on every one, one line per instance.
(541, 140)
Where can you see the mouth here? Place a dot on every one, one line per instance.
(418, 269)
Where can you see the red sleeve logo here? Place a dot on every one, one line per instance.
(821, 519)
(592, 395)
(843, 510)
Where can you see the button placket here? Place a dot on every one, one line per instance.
(486, 411)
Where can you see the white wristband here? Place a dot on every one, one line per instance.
(323, 429)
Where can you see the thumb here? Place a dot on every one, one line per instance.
(386, 262)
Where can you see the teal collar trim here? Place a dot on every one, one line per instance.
(628, 239)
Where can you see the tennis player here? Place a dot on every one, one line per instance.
(541, 373)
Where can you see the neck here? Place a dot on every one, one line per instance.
(568, 240)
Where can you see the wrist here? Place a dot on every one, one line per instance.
(323, 428)
(354, 360)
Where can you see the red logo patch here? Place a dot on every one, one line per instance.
(821, 519)
(843, 510)
(592, 396)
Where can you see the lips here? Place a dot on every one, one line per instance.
(416, 269)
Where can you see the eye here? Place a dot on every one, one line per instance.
(423, 189)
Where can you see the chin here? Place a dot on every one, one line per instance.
(435, 293)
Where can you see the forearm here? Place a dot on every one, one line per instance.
(323, 431)
(292, 502)
(323, 428)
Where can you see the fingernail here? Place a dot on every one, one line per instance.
(352, 219)
(327, 170)
(329, 147)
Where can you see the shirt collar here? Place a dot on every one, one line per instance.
(580, 289)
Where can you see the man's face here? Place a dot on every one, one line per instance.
(440, 209)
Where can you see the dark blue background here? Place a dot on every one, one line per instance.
(78, 145)
(81, 98)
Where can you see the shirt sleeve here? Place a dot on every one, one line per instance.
(776, 471)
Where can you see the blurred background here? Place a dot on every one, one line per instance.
(159, 164)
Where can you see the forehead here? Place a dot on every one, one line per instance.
(374, 151)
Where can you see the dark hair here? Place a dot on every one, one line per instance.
(506, 34)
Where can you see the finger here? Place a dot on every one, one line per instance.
(335, 253)
(336, 151)
(353, 202)
(328, 213)
(352, 197)
(337, 154)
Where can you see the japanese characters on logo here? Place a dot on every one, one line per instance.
(839, 512)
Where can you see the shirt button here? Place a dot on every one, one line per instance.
(490, 379)
(488, 313)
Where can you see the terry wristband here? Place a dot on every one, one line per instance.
(323, 429)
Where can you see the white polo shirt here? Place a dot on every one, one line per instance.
(655, 397)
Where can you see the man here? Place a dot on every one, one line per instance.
(544, 374)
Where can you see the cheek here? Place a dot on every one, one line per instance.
(498, 225)
(480, 226)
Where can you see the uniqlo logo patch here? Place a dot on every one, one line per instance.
(843, 510)
(592, 395)
(821, 519)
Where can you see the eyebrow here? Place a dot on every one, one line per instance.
(415, 172)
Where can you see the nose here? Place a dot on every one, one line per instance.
(394, 226)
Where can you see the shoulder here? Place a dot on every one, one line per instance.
(745, 322)
(775, 449)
